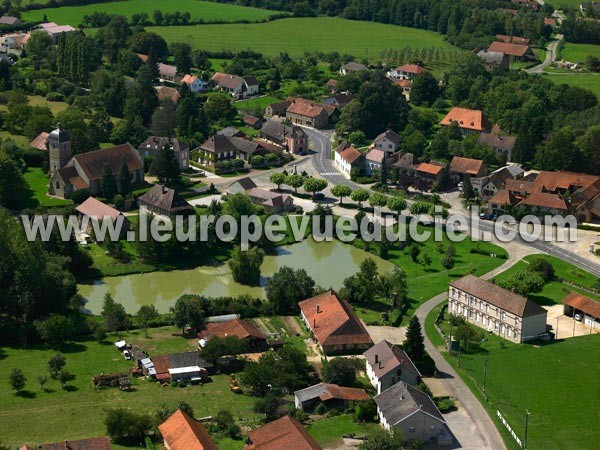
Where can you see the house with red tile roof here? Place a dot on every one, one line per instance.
(285, 433)
(311, 114)
(96, 210)
(544, 203)
(427, 173)
(468, 120)
(167, 93)
(98, 443)
(461, 167)
(516, 50)
(242, 329)
(512, 39)
(181, 432)
(194, 83)
(347, 157)
(406, 71)
(334, 325)
(576, 303)
(332, 395)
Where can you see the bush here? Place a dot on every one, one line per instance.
(119, 201)
(80, 196)
(321, 409)
(444, 404)
(55, 97)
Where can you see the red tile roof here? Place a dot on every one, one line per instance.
(40, 142)
(502, 197)
(308, 108)
(99, 443)
(508, 48)
(95, 208)
(167, 92)
(470, 119)
(551, 181)
(512, 39)
(189, 79)
(583, 304)
(181, 432)
(411, 68)
(375, 155)
(235, 327)
(351, 154)
(520, 186)
(545, 200)
(466, 166)
(431, 169)
(282, 434)
(343, 393)
(92, 163)
(335, 322)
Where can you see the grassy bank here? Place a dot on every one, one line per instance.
(586, 81)
(579, 52)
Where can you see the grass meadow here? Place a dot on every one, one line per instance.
(38, 190)
(299, 35)
(588, 81)
(579, 52)
(207, 11)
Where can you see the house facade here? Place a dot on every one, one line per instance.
(311, 114)
(238, 87)
(503, 145)
(332, 395)
(497, 310)
(406, 71)
(194, 83)
(293, 138)
(352, 67)
(387, 365)
(347, 157)
(466, 167)
(388, 141)
(164, 201)
(272, 202)
(151, 146)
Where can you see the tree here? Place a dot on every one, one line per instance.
(182, 55)
(285, 368)
(425, 260)
(360, 195)
(383, 173)
(414, 345)
(424, 89)
(278, 179)
(589, 144)
(225, 424)
(340, 371)
(414, 250)
(188, 312)
(145, 41)
(524, 283)
(268, 405)
(12, 182)
(63, 376)
(218, 109)
(56, 329)
(164, 119)
(287, 287)
(378, 200)
(238, 205)
(122, 423)
(42, 380)
(124, 180)
(146, 314)
(314, 185)
(17, 380)
(56, 364)
(114, 315)
(41, 119)
(393, 285)
(38, 44)
(245, 265)
(468, 191)
(108, 183)
(341, 191)
(381, 439)
(542, 267)
(217, 347)
(165, 166)
(396, 204)
(294, 180)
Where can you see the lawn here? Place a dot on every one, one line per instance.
(78, 411)
(328, 432)
(299, 35)
(586, 81)
(571, 4)
(555, 291)
(579, 52)
(256, 103)
(539, 379)
(38, 189)
(199, 10)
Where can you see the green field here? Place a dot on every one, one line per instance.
(328, 432)
(571, 4)
(578, 53)
(556, 383)
(586, 81)
(207, 11)
(79, 410)
(299, 35)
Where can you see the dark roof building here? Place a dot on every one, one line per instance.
(332, 394)
(387, 365)
(99, 443)
(164, 201)
(151, 146)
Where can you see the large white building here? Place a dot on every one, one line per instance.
(496, 310)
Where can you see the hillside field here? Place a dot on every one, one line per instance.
(587, 81)
(299, 35)
(208, 11)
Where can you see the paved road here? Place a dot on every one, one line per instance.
(551, 55)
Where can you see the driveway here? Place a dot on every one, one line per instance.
(551, 54)
(393, 335)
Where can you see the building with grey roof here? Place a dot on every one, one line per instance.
(405, 408)
(387, 365)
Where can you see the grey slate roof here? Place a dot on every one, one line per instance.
(247, 183)
(165, 199)
(230, 131)
(390, 135)
(491, 57)
(311, 392)
(389, 358)
(497, 141)
(187, 359)
(402, 400)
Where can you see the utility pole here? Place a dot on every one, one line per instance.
(450, 342)
(526, 427)
(484, 376)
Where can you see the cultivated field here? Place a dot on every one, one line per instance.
(299, 35)
(206, 11)
(579, 52)
(587, 81)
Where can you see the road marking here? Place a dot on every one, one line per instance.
(330, 173)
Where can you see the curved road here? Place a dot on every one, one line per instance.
(551, 54)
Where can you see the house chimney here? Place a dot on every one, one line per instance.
(380, 365)
(314, 324)
(318, 308)
(376, 359)
(164, 189)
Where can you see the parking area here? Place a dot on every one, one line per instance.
(565, 327)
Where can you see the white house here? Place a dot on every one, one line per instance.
(406, 71)
(388, 141)
(352, 67)
(411, 411)
(348, 157)
(194, 83)
(387, 365)
(236, 86)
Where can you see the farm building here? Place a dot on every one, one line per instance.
(285, 433)
(333, 324)
(242, 329)
(332, 395)
(588, 309)
(182, 432)
(98, 443)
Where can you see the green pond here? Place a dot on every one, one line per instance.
(328, 263)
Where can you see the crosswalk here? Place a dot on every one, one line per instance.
(331, 174)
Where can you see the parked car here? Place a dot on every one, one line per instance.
(579, 317)
(460, 185)
(127, 354)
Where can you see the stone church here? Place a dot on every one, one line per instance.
(84, 171)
